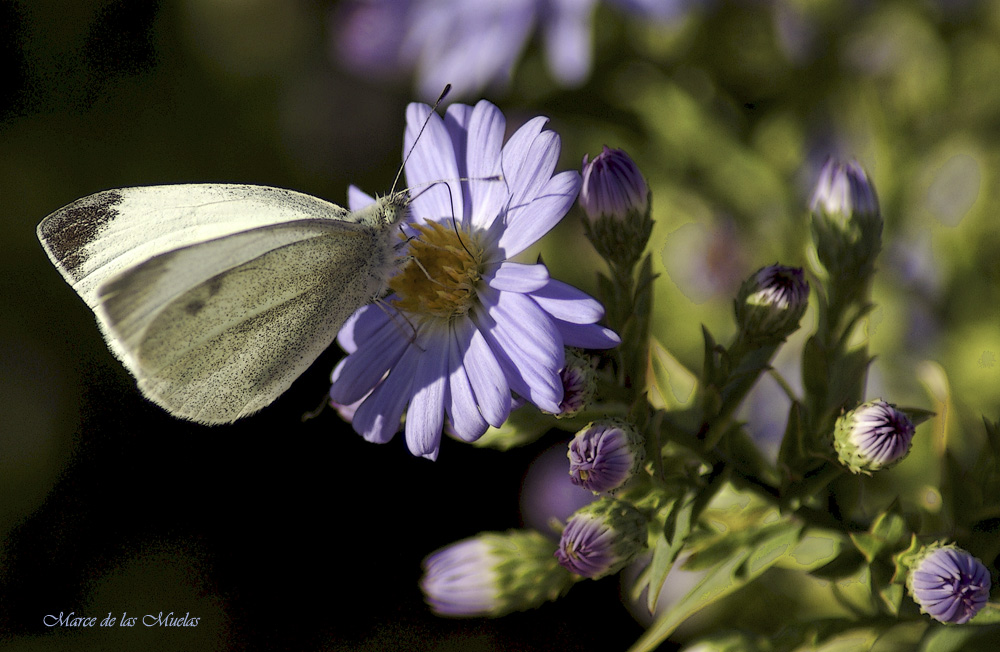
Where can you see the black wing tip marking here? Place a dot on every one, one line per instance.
(67, 232)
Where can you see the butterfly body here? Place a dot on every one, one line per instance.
(216, 297)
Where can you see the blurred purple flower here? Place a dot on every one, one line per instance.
(472, 44)
(492, 574)
(949, 584)
(843, 192)
(486, 327)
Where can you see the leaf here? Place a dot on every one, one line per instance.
(743, 566)
(815, 549)
(524, 426)
(962, 638)
(988, 615)
(846, 564)
(815, 367)
(792, 450)
(668, 547)
(672, 383)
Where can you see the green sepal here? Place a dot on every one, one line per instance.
(792, 453)
(888, 532)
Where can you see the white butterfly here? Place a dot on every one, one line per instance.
(217, 297)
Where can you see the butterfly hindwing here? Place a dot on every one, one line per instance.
(217, 330)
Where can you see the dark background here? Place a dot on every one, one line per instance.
(277, 534)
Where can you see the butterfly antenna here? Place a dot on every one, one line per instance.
(444, 93)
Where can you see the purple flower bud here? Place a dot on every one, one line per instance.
(949, 584)
(612, 186)
(771, 303)
(577, 376)
(601, 538)
(605, 455)
(843, 191)
(492, 574)
(875, 435)
(846, 224)
(615, 197)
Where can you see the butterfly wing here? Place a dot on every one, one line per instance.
(217, 330)
(97, 237)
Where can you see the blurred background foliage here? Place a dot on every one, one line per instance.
(265, 527)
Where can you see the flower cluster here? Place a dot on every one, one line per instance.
(465, 335)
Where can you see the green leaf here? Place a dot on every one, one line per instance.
(672, 383)
(524, 426)
(988, 615)
(917, 415)
(961, 638)
(887, 532)
(676, 531)
(792, 451)
(815, 549)
(815, 367)
(746, 564)
(846, 564)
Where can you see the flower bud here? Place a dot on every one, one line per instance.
(875, 435)
(605, 455)
(771, 303)
(615, 197)
(578, 383)
(601, 538)
(492, 574)
(846, 222)
(612, 185)
(948, 583)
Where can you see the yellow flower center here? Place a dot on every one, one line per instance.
(441, 280)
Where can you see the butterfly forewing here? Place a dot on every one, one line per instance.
(99, 236)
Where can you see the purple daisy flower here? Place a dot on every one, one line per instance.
(485, 327)
(949, 584)
(473, 44)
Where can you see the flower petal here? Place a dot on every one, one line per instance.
(523, 336)
(358, 198)
(527, 224)
(567, 303)
(466, 421)
(486, 377)
(425, 416)
(363, 369)
(485, 144)
(567, 40)
(587, 336)
(527, 181)
(518, 277)
(377, 418)
(431, 161)
(361, 327)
